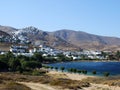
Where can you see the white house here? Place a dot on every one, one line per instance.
(18, 49)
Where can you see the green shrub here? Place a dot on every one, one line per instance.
(84, 71)
(106, 74)
(38, 73)
(94, 72)
(62, 68)
(79, 71)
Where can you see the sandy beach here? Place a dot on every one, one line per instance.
(72, 76)
(58, 74)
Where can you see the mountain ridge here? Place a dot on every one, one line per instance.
(65, 39)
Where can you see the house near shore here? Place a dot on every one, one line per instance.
(18, 49)
(24, 54)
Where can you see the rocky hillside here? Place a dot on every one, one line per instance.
(63, 39)
(5, 37)
(86, 40)
(7, 29)
(2, 33)
(37, 37)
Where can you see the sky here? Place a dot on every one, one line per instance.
(101, 17)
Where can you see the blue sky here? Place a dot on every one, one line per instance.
(101, 17)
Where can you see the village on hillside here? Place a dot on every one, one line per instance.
(21, 45)
(51, 52)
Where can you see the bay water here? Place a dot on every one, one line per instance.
(100, 67)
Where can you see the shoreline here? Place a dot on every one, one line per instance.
(89, 71)
(72, 76)
(83, 61)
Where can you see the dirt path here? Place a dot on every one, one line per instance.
(38, 86)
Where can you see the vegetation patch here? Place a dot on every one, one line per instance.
(67, 83)
(10, 85)
(111, 81)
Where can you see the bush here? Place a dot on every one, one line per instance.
(84, 71)
(74, 70)
(56, 68)
(106, 74)
(94, 72)
(15, 86)
(38, 73)
(51, 67)
(62, 68)
(79, 71)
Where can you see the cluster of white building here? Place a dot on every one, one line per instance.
(90, 54)
(25, 50)
(76, 55)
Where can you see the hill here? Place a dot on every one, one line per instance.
(86, 40)
(63, 39)
(4, 33)
(7, 29)
(38, 37)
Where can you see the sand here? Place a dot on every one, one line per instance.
(101, 87)
(38, 86)
(69, 75)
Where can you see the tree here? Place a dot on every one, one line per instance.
(79, 71)
(38, 56)
(111, 57)
(62, 68)
(31, 64)
(3, 66)
(71, 70)
(4, 59)
(104, 54)
(74, 70)
(51, 67)
(14, 64)
(9, 55)
(56, 68)
(84, 71)
(68, 70)
(117, 55)
(22, 57)
(94, 72)
(106, 74)
(61, 57)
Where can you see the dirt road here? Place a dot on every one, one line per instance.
(38, 86)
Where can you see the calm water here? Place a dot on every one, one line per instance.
(112, 67)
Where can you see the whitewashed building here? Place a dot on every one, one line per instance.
(18, 49)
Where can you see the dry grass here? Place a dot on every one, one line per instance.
(111, 81)
(57, 80)
(67, 83)
(4, 46)
(10, 85)
(44, 79)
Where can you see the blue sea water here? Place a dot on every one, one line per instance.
(112, 67)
